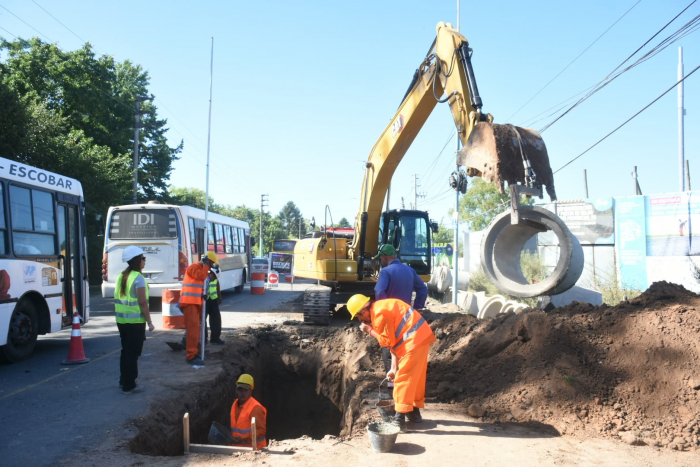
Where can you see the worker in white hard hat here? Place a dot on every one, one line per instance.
(244, 408)
(191, 301)
(132, 315)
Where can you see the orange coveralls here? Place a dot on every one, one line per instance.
(241, 426)
(406, 333)
(191, 304)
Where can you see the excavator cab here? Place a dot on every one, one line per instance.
(409, 232)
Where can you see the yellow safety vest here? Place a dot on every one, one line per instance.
(213, 294)
(126, 307)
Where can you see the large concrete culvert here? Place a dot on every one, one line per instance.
(504, 241)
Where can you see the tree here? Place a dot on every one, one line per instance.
(290, 218)
(482, 203)
(443, 235)
(192, 197)
(344, 224)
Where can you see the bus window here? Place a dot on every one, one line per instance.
(3, 227)
(241, 241)
(142, 224)
(219, 238)
(33, 222)
(284, 246)
(227, 239)
(193, 237)
(210, 233)
(236, 245)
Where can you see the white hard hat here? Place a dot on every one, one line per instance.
(131, 252)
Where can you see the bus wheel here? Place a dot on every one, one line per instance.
(21, 337)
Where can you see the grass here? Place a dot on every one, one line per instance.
(568, 379)
(614, 292)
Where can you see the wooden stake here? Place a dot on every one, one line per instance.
(254, 434)
(186, 431)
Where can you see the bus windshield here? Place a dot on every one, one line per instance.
(143, 224)
(284, 246)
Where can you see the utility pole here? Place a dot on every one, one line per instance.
(263, 199)
(403, 206)
(416, 195)
(585, 182)
(455, 251)
(681, 113)
(388, 196)
(300, 221)
(687, 175)
(637, 189)
(137, 127)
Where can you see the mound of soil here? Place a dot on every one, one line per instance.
(630, 372)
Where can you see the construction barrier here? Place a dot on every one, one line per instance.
(172, 315)
(288, 278)
(257, 283)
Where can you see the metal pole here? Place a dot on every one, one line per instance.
(262, 200)
(585, 182)
(458, 15)
(637, 191)
(687, 175)
(415, 191)
(137, 124)
(455, 252)
(681, 113)
(203, 335)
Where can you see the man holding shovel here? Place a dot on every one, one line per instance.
(397, 325)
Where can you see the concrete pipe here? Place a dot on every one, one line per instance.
(503, 242)
(509, 306)
(491, 307)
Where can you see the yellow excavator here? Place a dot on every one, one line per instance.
(498, 153)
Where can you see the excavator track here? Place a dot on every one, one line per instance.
(317, 301)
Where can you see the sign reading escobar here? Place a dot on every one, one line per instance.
(282, 263)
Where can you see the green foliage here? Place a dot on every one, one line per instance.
(73, 113)
(482, 203)
(569, 380)
(533, 267)
(443, 235)
(291, 220)
(344, 224)
(614, 292)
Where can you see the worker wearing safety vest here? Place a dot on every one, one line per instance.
(212, 307)
(242, 412)
(132, 314)
(397, 325)
(191, 302)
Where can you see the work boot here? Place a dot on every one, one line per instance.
(136, 389)
(196, 361)
(415, 416)
(400, 421)
(217, 341)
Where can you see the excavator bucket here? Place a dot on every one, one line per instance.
(502, 153)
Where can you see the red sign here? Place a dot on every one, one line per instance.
(273, 278)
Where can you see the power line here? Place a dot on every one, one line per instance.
(69, 29)
(629, 119)
(572, 62)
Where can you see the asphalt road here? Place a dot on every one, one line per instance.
(48, 411)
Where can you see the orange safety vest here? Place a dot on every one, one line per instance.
(410, 328)
(192, 288)
(242, 427)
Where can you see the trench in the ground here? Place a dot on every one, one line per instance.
(305, 391)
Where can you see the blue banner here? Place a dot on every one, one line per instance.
(630, 225)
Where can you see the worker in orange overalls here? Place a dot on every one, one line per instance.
(191, 302)
(397, 325)
(242, 411)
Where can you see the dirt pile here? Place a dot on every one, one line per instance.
(630, 372)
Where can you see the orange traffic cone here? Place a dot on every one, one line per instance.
(76, 354)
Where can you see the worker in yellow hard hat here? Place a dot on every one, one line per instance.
(191, 302)
(398, 326)
(243, 410)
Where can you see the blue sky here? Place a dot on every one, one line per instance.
(302, 90)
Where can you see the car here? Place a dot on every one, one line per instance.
(260, 265)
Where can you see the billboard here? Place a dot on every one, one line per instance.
(630, 225)
(281, 262)
(673, 222)
(590, 220)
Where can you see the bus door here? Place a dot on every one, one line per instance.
(70, 256)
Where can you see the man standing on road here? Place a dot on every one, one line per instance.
(397, 325)
(212, 307)
(242, 411)
(397, 280)
(132, 315)
(191, 303)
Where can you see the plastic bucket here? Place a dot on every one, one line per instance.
(386, 409)
(382, 436)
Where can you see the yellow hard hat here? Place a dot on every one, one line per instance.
(356, 303)
(246, 379)
(211, 256)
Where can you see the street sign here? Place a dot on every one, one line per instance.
(273, 279)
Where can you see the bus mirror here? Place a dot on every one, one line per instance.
(434, 227)
(252, 241)
(100, 225)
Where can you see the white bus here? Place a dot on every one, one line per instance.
(173, 237)
(43, 256)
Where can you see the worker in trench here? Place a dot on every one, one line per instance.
(397, 325)
(397, 280)
(244, 408)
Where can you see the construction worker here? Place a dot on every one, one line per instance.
(132, 315)
(212, 307)
(191, 303)
(242, 411)
(397, 280)
(397, 325)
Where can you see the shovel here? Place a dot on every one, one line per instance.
(219, 435)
